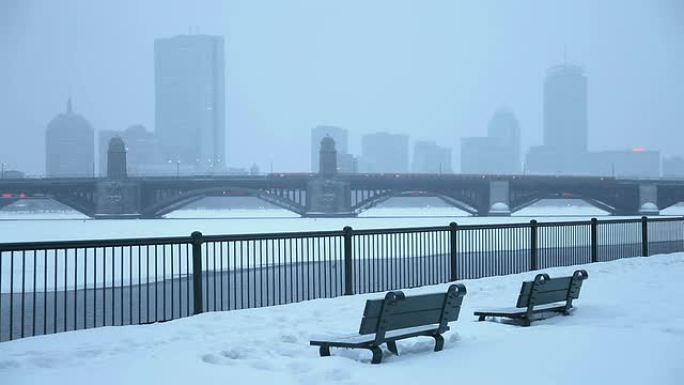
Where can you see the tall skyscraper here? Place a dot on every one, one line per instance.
(565, 124)
(339, 135)
(190, 100)
(565, 109)
(429, 158)
(384, 153)
(69, 146)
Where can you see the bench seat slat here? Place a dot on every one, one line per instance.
(516, 311)
(364, 340)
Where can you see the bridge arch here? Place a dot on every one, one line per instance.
(534, 198)
(290, 200)
(378, 197)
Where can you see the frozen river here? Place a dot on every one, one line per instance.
(20, 227)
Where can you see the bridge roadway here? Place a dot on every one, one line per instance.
(344, 194)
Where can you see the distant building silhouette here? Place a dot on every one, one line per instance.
(190, 100)
(429, 158)
(346, 163)
(565, 108)
(328, 157)
(144, 156)
(498, 152)
(673, 167)
(116, 159)
(565, 123)
(384, 153)
(69, 146)
(633, 163)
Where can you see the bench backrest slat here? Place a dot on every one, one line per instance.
(549, 291)
(410, 311)
(409, 304)
(402, 320)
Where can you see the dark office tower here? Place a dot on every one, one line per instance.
(339, 135)
(189, 100)
(69, 146)
(328, 157)
(565, 115)
(504, 129)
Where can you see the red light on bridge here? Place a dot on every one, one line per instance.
(638, 149)
(6, 195)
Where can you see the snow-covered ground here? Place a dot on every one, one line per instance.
(628, 328)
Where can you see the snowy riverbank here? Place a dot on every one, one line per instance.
(627, 329)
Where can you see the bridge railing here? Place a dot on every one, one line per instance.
(51, 287)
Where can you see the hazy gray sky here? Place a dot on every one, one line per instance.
(431, 69)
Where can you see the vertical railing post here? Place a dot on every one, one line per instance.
(453, 228)
(594, 240)
(534, 263)
(348, 266)
(197, 272)
(644, 236)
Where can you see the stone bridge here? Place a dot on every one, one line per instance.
(344, 194)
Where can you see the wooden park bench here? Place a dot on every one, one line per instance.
(544, 294)
(398, 317)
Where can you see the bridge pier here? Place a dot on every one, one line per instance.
(328, 198)
(499, 198)
(648, 199)
(117, 200)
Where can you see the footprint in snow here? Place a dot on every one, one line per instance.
(288, 338)
(9, 364)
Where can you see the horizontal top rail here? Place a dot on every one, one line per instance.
(400, 230)
(93, 243)
(570, 223)
(263, 236)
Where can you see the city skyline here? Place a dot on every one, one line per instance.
(271, 99)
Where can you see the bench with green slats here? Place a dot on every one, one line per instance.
(543, 295)
(397, 317)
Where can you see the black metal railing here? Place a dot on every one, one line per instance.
(50, 287)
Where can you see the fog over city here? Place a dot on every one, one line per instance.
(433, 70)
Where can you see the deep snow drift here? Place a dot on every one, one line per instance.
(628, 328)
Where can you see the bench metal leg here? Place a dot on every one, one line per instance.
(377, 354)
(439, 342)
(324, 350)
(525, 322)
(392, 347)
(482, 318)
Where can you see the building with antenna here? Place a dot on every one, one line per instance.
(69, 146)
(565, 124)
